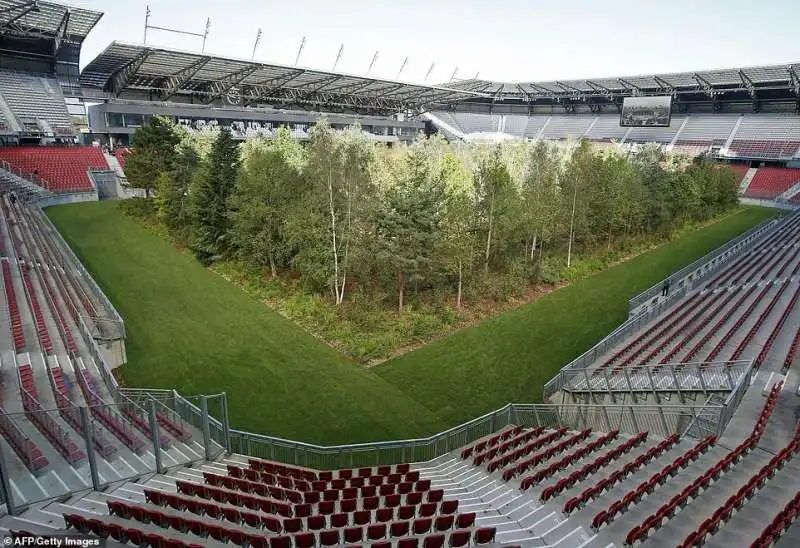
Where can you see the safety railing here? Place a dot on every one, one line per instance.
(669, 377)
(114, 317)
(706, 264)
(608, 342)
(659, 420)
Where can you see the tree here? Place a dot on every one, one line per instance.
(340, 186)
(209, 197)
(153, 153)
(270, 183)
(494, 195)
(172, 192)
(540, 191)
(408, 224)
(458, 227)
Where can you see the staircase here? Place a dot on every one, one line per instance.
(748, 177)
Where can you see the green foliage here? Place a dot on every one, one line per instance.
(268, 189)
(430, 228)
(153, 153)
(208, 199)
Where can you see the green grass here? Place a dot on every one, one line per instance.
(509, 357)
(191, 330)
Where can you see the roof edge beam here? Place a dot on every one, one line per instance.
(229, 81)
(794, 79)
(567, 87)
(666, 86)
(61, 31)
(599, 88)
(176, 81)
(747, 83)
(119, 80)
(629, 87)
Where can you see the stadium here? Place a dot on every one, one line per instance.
(148, 397)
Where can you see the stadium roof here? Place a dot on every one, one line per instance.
(710, 82)
(29, 18)
(126, 67)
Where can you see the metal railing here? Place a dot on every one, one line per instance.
(115, 318)
(669, 377)
(660, 421)
(706, 264)
(608, 342)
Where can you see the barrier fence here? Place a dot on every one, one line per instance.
(669, 377)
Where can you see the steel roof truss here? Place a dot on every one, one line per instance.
(173, 84)
(119, 80)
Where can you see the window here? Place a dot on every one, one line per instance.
(134, 120)
(114, 119)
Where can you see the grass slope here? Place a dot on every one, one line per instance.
(509, 357)
(191, 330)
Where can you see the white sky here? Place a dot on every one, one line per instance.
(507, 40)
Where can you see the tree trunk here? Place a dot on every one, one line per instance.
(401, 285)
(333, 238)
(533, 245)
(272, 265)
(489, 238)
(347, 244)
(460, 277)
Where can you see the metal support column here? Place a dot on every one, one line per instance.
(630, 386)
(226, 425)
(151, 410)
(86, 424)
(608, 386)
(4, 483)
(206, 427)
(633, 416)
(677, 383)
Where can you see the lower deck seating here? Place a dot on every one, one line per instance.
(770, 182)
(63, 169)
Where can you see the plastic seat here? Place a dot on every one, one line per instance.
(460, 538)
(305, 540)
(376, 531)
(466, 520)
(353, 534)
(316, 523)
(329, 537)
(399, 528)
(292, 525)
(362, 517)
(434, 541)
(448, 506)
(484, 535)
(422, 526)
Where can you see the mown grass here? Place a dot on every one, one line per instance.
(191, 330)
(509, 357)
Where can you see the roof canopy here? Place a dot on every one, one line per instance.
(748, 79)
(30, 18)
(125, 67)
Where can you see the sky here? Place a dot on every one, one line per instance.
(502, 40)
